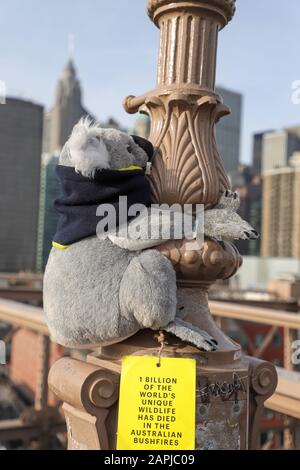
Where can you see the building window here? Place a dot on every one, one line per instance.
(277, 341)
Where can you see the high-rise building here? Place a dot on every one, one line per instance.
(21, 130)
(295, 164)
(229, 129)
(294, 130)
(48, 216)
(278, 147)
(281, 211)
(66, 112)
(257, 152)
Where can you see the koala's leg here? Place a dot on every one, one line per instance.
(191, 334)
(148, 293)
(148, 290)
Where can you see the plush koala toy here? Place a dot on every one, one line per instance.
(100, 289)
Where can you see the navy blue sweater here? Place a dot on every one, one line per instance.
(82, 196)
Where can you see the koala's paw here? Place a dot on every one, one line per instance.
(226, 224)
(248, 234)
(229, 200)
(191, 334)
(239, 230)
(234, 227)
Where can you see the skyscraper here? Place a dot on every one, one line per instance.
(278, 147)
(229, 129)
(257, 153)
(21, 129)
(281, 211)
(66, 112)
(48, 217)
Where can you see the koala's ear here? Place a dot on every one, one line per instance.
(145, 145)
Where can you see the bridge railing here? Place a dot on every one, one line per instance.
(276, 319)
(286, 399)
(42, 418)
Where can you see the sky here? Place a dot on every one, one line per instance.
(116, 48)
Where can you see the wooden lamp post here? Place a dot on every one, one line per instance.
(184, 109)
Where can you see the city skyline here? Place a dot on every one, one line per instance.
(30, 67)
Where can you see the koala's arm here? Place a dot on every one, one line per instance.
(154, 227)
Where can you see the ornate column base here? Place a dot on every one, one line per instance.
(224, 391)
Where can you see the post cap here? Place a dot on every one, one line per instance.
(225, 9)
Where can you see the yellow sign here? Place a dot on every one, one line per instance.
(157, 404)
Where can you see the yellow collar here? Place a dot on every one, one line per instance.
(130, 168)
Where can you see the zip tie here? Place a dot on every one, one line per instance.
(161, 339)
